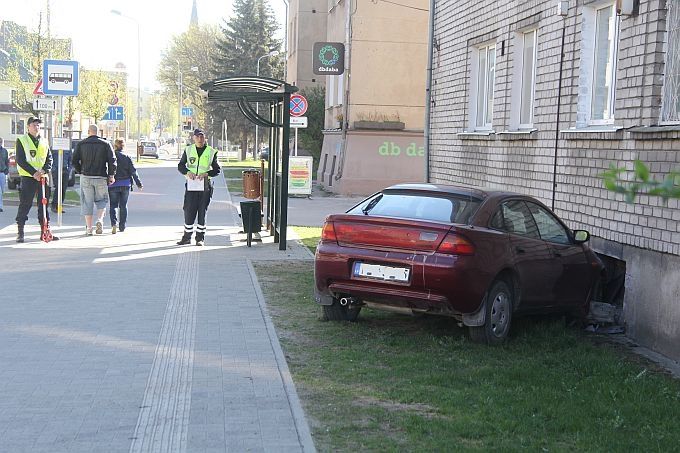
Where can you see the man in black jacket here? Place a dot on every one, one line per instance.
(96, 163)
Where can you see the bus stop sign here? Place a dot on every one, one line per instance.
(60, 77)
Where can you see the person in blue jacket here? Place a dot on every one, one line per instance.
(119, 191)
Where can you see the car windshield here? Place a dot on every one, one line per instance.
(449, 208)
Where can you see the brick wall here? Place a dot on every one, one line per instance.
(524, 162)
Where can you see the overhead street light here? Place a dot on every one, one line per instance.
(139, 76)
(273, 53)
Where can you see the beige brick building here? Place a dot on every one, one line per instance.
(498, 82)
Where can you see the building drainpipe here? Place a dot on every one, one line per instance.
(557, 122)
(428, 90)
(345, 102)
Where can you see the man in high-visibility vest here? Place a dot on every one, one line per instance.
(34, 162)
(198, 164)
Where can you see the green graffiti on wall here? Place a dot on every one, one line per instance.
(392, 149)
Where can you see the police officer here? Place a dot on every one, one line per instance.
(34, 162)
(198, 164)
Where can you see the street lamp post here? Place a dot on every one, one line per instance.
(139, 76)
(273, 53)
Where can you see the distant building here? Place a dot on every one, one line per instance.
(375, 110)
(306, 25)
(539, 100)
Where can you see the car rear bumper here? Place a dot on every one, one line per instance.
(439, 284)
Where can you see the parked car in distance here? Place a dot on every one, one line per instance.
(149, 149)
(13, 177)
(480, 256)
(264, 153)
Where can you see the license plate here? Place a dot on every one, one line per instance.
(380, 272)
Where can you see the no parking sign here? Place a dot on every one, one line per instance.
(298, 105)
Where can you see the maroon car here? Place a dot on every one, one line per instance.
(479, 256)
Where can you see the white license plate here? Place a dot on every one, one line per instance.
(380, 272)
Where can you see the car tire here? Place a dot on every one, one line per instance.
(11, 185)
(499, 303)
(337, 312)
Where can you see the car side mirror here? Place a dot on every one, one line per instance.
(581, 236)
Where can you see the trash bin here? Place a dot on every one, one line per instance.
(251, 217)
(251, 183)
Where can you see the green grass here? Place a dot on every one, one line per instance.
(242, 163)
(397, 383)
(71, 196)
(309, 236)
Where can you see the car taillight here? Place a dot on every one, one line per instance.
(328, 232)
(456, 245)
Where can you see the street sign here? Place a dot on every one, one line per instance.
(298, 121)
(187, 111)
(38, 90)
(60, 143)
(114, 113)
(44, 104)
(60, 77)
(298, 105)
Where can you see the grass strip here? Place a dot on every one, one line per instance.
(396, 383)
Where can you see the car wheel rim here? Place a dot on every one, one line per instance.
(500, 314)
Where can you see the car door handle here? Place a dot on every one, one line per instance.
(519, 250)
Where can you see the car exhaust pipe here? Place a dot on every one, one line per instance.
(344, 301)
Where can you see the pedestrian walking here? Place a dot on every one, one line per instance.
(119, 190)
(198, 164)
(65, 172)
(95, 160)
(4, 170)
(34, 162)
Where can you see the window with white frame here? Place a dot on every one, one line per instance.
(597, 75)
(604, 70)
(526, 107)
(523, 80)
(486, 75)
(670, 111)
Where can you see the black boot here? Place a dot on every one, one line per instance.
(200, 239)
(20, 234)
(186, 239)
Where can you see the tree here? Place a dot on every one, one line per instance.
(248, 35)
(193, 48)
(95, 93)
(311, 138)
(642, 182)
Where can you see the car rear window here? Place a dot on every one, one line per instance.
(438, 208)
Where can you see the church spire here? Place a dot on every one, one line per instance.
(194, 15)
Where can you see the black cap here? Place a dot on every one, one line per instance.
(198, 132)
(33, 119)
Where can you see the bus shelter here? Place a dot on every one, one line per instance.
(245, 90)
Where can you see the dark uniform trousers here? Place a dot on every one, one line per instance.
(196, 204)
(30, 189)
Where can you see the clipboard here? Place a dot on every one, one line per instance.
(195, 185)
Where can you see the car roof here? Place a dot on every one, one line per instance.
(466, 191)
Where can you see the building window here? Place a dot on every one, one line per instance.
(17, 127)
(604, 70)
(523, 80)
(670, 112)
(341, 89)
(486, 74)
(526, 109)
(597, 74)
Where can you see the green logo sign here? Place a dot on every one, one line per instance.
(329, 58)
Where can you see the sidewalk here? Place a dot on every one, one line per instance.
(130, 343)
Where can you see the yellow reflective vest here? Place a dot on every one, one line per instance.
(35, 156)
(199, 165)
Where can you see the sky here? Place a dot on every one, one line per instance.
(101, 39)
